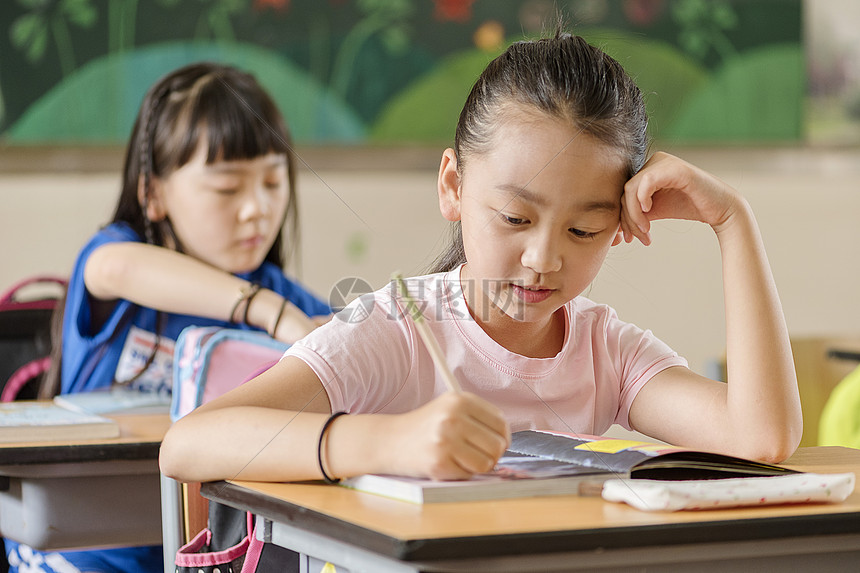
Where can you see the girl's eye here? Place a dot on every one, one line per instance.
(226, 191)
(512, 220)
(582, 234)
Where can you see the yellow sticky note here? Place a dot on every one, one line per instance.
(609, 446)
(328, 568)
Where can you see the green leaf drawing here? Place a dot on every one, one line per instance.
(30, 35)
(102, 115)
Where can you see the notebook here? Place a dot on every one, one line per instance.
(30, 421)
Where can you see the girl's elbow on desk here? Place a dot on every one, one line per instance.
(190, 453)
(781, 445)
(773, 443)
(778, 432)
(173, 458)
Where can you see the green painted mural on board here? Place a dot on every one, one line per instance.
(389, 72)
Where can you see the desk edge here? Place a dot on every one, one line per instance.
(432, 549)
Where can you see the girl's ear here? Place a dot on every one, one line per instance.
(619, 236)
(449, 186)
(151, 201)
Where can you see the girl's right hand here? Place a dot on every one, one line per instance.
(454, 436)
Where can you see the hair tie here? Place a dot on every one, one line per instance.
(246, 293)
(280, 315)
(328, 479)
(254, 290)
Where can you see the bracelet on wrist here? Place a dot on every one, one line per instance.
(246, 294)
(248, 303)
(274, 329)
(327, 478)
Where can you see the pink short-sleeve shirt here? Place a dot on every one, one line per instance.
(370, 359)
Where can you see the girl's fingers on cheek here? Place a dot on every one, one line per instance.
(629, 236)
(628, 200)
(632, 229)
(637, 223)
(634, 211)
(625, 228)
(645, 189)
(645, 202)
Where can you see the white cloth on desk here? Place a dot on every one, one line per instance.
(660, 495)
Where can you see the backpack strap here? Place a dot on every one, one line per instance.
(8, 296)
(22, 375)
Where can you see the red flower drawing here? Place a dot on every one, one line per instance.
(643, 12)
(276, 5)
(454, 10)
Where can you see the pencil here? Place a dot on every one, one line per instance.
(426, 335)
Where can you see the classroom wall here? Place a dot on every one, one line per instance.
(367, 218)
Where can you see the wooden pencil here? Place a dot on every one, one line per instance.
(426, 334)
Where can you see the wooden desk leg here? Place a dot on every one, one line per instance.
(195, 510)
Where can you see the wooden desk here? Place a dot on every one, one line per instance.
(364, 532)
(85, 493)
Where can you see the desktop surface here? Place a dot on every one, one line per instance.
(85, 492)
(140, 438)
(411, 532)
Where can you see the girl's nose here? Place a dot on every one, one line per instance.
(541, 253)
(255, 204)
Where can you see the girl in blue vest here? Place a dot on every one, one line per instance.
(196, 239)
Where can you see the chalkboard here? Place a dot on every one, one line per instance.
(393, 72)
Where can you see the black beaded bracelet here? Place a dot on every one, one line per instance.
(274, 329)
(328, 479)
(257, 288)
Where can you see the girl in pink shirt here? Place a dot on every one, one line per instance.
(548, 171)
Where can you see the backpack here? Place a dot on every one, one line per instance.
(25, 335)
(210, 360)
(207, 362)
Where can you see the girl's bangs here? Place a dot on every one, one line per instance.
(239, 125)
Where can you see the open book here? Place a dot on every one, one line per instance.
(30, 421)
(554, 463)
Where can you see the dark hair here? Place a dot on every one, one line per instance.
(563, 77)
(239, 121)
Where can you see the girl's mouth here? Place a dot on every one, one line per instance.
(531, 294)
(252, 242)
